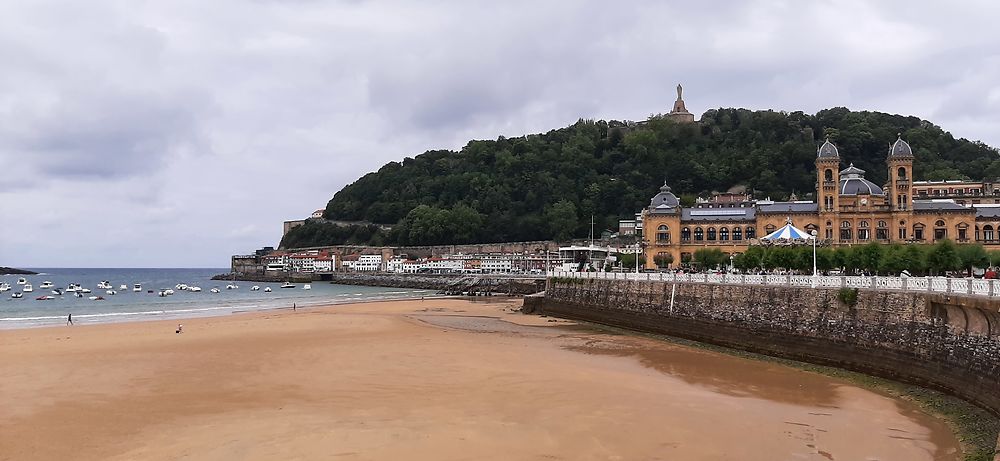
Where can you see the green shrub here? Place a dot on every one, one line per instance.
(848, 296)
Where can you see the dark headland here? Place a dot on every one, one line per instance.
(13, 271)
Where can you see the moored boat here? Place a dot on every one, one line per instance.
(137, 287)
(4, 287)
(267, 289)
(16, 294)
(45, 285)
(255, 288)
(215, 290)
(287, 285)
(307, 287)
(45, 298)
(22, 280)
(28, 288)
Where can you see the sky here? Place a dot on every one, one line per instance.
(175, 134)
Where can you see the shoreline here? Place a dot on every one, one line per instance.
(305, 383)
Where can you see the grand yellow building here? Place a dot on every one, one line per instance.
(849, 210)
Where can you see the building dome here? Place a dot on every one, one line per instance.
(900, 148)
(665, 200)
(828, 150)
(853, 182)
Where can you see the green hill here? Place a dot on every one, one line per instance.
(548, 185)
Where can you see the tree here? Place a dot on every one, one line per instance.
(972, 255)
(943, 257)
(710, 258)
(750, 259)
(562, 220)
(663, 260)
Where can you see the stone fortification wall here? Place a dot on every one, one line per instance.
(479, 284)
(945, 342)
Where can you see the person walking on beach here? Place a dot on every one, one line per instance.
(293, 307)
(69, 320)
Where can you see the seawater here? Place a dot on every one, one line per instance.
(127, 305)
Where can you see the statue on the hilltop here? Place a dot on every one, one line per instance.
(679, 90)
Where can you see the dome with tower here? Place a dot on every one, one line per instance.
(828, 150)
(900, 148)
(853, 182)
(665, 201)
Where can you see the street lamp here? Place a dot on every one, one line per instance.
(815, 273)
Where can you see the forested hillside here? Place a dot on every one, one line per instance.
(549, 185)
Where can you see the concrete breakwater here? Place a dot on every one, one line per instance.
(479, 284)
(951, 343)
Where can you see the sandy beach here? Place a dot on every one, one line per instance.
(438, 379)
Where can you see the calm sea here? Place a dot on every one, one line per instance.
(127, 305)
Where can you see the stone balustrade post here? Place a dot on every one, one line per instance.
(874, 282)
(947, 285)
(904, 282)
(991, 287)
(843, 281)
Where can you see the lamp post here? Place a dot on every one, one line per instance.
(815, 272)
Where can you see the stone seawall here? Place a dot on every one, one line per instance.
(479, 284)
(945, 342)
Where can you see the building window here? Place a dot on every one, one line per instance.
(699, 234)
(918, 232)
(663, 234)
(901, 173)
(988, 233)
(751, 233)
(882, 234)
(845, 234)
(902, 233)
(686, 234)
(828, 175)
(711, 234)
(737, 233)
(768, 229)
(845, 224)
(940, 232)
(724, 234)
(963, 234)
(829, 233)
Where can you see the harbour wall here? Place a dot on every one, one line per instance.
(946, 342)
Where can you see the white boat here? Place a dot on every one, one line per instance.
(255, 288)
(123, 287)
(287, 285)
(181, 286)
(194, 289)
(45, 285)
(4, 287)
(307, 287)
(231, 286)
(57, 292)
(73, 288)
(137, 287)
(162, 293)
(78, 294)
(215, 290)
(111, 292)
(104, 285)
(28, 288)
(22, 281)
(267, 289)
(45, 298)
(97, 298)
(168, 291)
(84, 290)
(16, 294)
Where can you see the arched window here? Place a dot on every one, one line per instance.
(901, 173)
(940, 232)
(845, 224)
(863, 232)
(979, 235)
(863, 224)
(881, 224)
(751, 232)
(988, 233)
(828, 175)
(882, 231)
(711, 234)
(663, 234)
(845, 231)
(939, 223)
(724, 234)
(962, 232)
(699, 234)
(686, 234)
(769, 228)
(737, 233)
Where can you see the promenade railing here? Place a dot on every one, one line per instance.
(967, 286)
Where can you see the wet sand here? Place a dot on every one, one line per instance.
(425, 380)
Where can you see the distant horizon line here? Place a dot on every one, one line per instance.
(109, 267)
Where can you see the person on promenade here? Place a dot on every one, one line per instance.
(69, 319)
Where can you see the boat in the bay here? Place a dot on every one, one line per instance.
(255, 288)
(123, 287)
(111, 292)
(16, 294)
(84, 290)
(4, 287)
(57, 292)
(22, 280)
(194, 289)
(232, 286)
(45, 285)
(307, 287)
(97, 298)
(267, 289)
(45, 298)
(215, 290)
(28, 288)
(137, 287)
(287, 285)
(104, 285)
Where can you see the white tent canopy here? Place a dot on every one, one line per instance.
(787, 232)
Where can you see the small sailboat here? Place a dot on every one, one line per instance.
(45, 285)
(181, 286)
(111, 292)
(267, 289)
(16, 294)
(28, 288)
(123, 287)
(194, 289)
(255, 288)
(307, 287)
(215, 290)
(57, 292)
(232, 286)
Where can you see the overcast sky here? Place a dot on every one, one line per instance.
(176, 133)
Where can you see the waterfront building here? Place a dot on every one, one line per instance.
(961, 191)
(849, 210)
